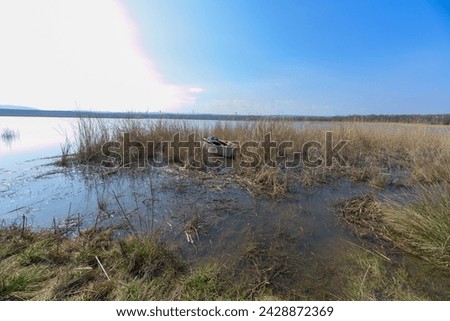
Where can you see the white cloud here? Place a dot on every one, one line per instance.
(56, 54)
(196, 90)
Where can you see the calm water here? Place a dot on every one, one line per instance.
(31, 186)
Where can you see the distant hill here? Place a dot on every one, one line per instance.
(17, 107)
(14, 112)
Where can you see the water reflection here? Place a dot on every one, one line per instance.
(8, 136)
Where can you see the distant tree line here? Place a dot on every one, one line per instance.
(440, 119)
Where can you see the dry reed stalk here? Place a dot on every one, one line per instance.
(381, 154)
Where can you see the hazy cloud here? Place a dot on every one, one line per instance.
(55, 54)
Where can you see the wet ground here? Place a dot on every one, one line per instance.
(208, 215)
(210, 218)
(155, 198)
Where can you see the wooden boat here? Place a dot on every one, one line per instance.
(220, 147)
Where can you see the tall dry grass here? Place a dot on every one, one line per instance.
(380, 154)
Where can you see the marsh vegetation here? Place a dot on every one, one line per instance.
(8, 135)
(269, 231)
(381, 155)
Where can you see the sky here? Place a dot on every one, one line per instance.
(285, 57)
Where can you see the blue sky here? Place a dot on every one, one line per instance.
(304, 57)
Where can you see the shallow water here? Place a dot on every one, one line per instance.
(208, 215)
(33, 188)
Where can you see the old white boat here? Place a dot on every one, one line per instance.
(220, 147)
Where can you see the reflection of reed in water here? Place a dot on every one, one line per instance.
(8, 135)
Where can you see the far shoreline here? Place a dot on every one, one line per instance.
(430, 119)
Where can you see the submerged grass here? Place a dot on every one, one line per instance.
(374, 279)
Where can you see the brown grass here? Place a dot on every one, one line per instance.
(363, 215)
(380, 154)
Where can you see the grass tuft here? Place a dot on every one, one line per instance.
(419, 226)
(422, 227)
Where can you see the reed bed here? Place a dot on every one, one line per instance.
(380, 154)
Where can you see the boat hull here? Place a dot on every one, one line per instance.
(228, 150)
